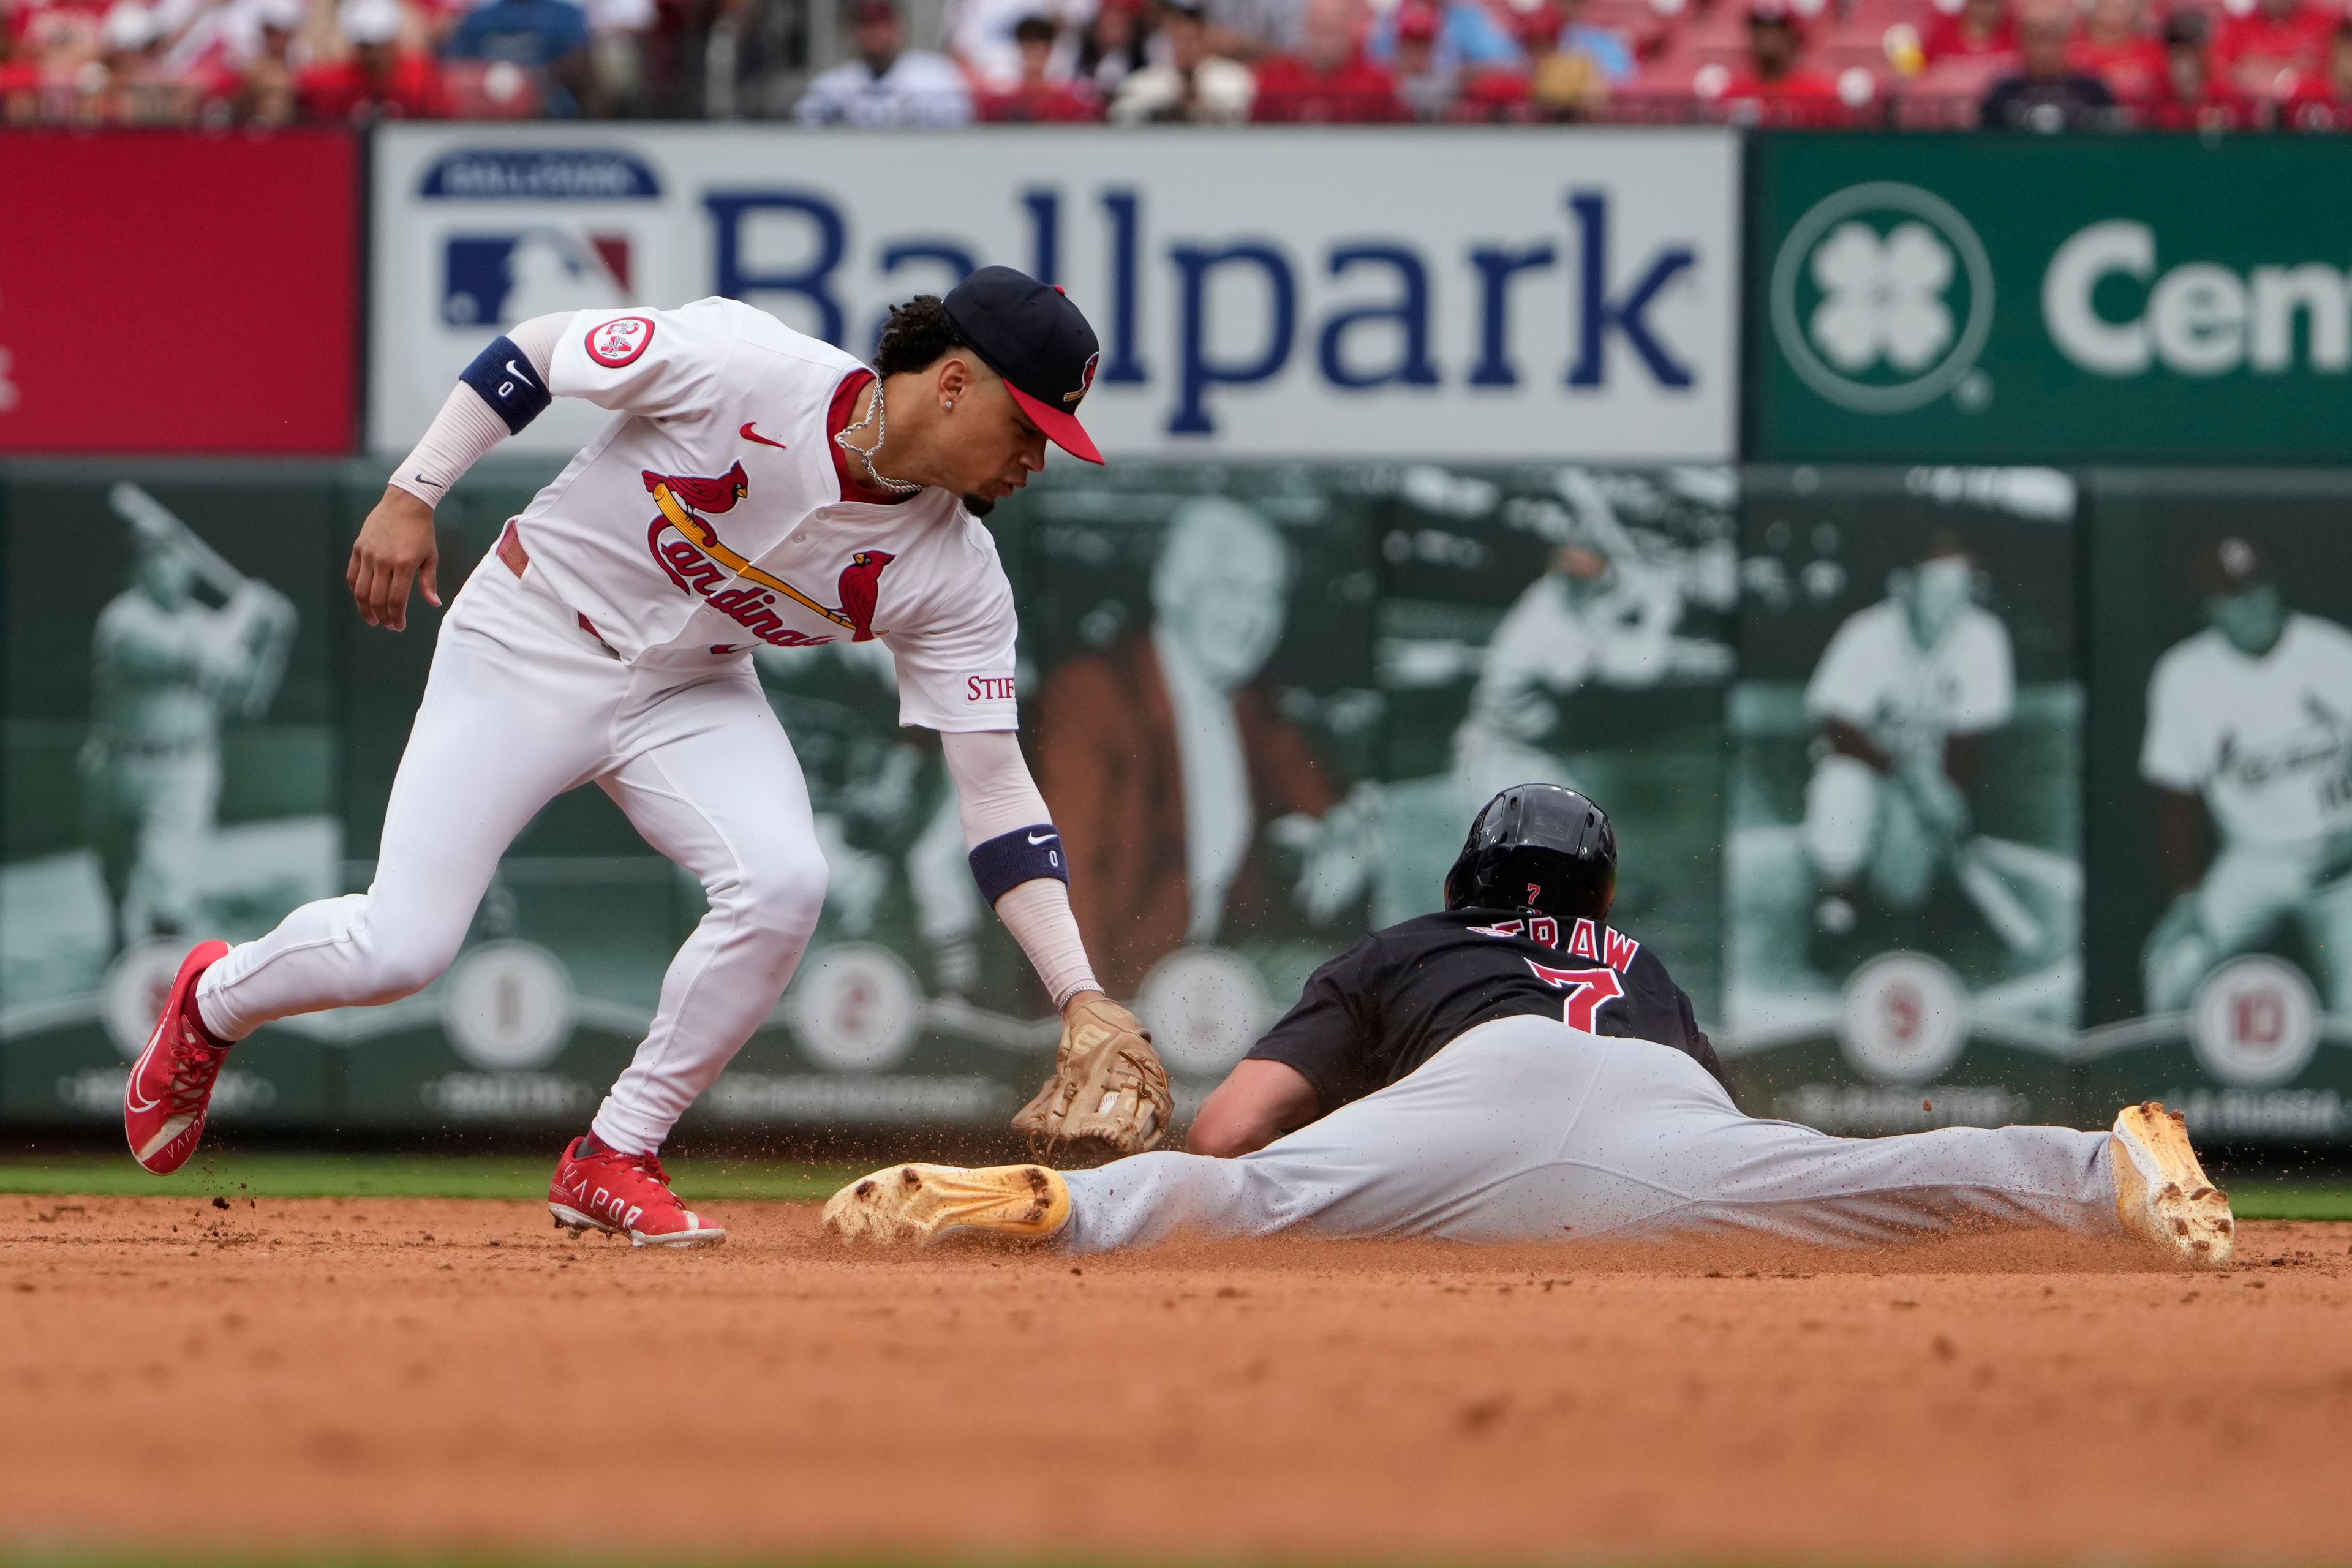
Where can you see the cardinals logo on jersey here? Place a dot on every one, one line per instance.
(699, 562)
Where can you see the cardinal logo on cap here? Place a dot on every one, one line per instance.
(1085, 378)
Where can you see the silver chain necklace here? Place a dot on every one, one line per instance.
(865, 454)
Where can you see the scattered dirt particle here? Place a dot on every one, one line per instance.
(1903, 1301)
(1944, 1349)
(1227, 1293)
(1481, 1413)
(220, 1202)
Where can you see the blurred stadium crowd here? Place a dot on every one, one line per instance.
(2031, 65)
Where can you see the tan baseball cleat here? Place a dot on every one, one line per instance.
(922, 1203)
(2161, 1192)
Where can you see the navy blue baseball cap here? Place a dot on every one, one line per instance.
(1030, 333)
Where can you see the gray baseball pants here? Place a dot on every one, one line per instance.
(1525, 1130)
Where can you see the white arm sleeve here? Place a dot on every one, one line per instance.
(465, 429)
(995, 794)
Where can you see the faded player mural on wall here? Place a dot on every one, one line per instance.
(2221, 964)
(2250, 728)
(1903, 700)
(1903, 875)
(171, 768)
(170, 670)
(1561, 625)
(1251, 762)
(1204, 731)
(1169, 728)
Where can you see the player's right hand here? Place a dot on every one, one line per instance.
(394, 544)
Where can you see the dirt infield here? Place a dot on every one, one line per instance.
(425, 1373)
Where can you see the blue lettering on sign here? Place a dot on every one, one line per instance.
(1044, 205)
(577, 174)
(1122, 368)
(1361, 344)
(1410, 313)
(1628, 314)
(812, 282)
(953, 258)
(1198, 372)
(1496, 268)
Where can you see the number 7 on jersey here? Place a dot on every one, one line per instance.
(1589, 990)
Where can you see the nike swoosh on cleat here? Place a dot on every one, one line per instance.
(750, 435)
(130, 1091)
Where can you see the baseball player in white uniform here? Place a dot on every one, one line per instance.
(2249, 722)
(754, 487)
(1591, 618)
(167, 669)
(1901, 696)
(1515, 1068)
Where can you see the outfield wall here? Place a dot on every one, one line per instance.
(1406, 637)
(1367, 415)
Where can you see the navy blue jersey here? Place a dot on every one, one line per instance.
(1392, 1001)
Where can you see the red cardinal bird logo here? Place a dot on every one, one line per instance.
(858, 582)
(698, 561)
(703, 495)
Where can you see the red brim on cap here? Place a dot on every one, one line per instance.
(1061, 428)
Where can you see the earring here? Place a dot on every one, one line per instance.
(951, 404)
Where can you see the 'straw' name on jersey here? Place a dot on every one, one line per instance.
(1588, 989)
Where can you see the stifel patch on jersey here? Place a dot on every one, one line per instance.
(698, 561)
(615, 344)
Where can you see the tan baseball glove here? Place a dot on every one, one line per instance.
(1108, 1086)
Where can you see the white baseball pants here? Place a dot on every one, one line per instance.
(523, 703)
(1526, 1130)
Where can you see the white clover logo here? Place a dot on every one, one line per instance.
(1882, 299)
(1901, 300)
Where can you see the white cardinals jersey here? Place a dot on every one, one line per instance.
(1877, 677)
(2267, 741)
(710, 517)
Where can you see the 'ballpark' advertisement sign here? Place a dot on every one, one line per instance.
(1990, 298)
(1280, 293)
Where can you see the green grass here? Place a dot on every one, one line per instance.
(286, 1175)
(2289, 1200)
(710, 1180)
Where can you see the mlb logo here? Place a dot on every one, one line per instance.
(501, 279)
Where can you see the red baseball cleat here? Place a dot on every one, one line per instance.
(624, 1195)
(171, 1084)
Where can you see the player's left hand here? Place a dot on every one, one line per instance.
(1109, 1086)
(395, 544)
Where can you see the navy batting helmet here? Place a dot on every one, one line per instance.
(1536, 846)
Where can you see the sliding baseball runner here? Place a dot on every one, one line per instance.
(754, 487)
(1513, 1068)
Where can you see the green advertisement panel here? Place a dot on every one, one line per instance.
(1902, 843)
(2220, 959)
(2059, 298)
(173, 697)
